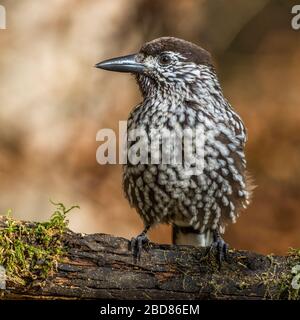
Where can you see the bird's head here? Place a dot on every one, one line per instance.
(167, 65)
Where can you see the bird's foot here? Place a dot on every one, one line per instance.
(220, 248)
(137, 244)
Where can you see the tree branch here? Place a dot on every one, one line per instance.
(99, 266)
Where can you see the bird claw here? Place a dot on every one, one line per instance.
(137, 244)
(221, 249)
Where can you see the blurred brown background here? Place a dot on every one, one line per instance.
(53, 102)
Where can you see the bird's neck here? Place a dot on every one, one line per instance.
(205, 91)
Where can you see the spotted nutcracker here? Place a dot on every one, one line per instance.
(180, 88)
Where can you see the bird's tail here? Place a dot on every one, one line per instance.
(188, 235)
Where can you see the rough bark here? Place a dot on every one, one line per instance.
(99, 266)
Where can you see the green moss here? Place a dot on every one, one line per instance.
(215, 286)
(286, 285)
(31, 251)
(279, 282)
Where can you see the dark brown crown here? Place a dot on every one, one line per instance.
(190, 51)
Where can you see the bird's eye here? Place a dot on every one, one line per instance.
(164, 59)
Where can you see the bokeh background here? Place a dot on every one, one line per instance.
(53, 102)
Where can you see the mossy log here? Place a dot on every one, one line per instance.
(100, 266)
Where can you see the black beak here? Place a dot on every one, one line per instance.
(122, 64)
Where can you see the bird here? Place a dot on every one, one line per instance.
(180, 89)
